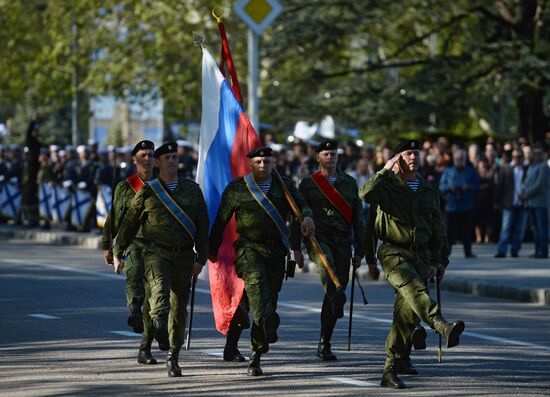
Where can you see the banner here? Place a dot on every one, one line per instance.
(10, 199)
(45, 195)
(60, 200)
(103, 204)
(80, 205)
(226, 137)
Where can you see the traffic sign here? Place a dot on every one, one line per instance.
(258, 14)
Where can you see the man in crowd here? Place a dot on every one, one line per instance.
(459, 183)
(261, 210)
(172, 216)
(413, 250)
(334, 199)
(535, 194)
(508, 197)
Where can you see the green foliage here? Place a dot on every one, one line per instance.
(385, 67)
(390, 66)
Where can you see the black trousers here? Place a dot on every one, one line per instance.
(460, 226)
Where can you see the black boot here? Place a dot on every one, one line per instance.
(451, 332)
(161, 332)
(135, 319)
(254, 368)
(144, 354)
(390, 379)
(231, 351)
(323, 350)
(405, 367)
(174, 369)
(270, 323)
(418, 337)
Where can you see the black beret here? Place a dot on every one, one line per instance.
(143, 145)
(327, 145)
(168, 147)
(262, 151)
(409, 144)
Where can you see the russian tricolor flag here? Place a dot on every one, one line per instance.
(226, 136)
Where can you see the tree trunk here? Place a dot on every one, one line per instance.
(532, 121)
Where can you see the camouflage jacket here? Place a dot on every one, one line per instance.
(405, 217)
(124, 193)
(158, 227)
(253, 223)
(329, 222)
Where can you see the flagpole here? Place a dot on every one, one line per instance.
(253, 67)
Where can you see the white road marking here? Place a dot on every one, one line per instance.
(217, 354)
(283, 304)
(44, 316)
(354, 382)
(126, 333)
(317, 310)
(67, 269)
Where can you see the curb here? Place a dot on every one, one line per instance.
(540, 296)
(52, 237)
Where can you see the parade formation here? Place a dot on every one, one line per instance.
(161, 241)
(241, 210)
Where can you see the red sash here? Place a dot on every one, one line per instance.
(136, 182)
(333, 196)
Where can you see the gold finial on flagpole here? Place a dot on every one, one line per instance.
(218, 14)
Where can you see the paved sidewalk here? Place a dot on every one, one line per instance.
(523, 279)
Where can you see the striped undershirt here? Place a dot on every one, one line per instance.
(331, 179)
(172, 185)
(264, 186)
(413, 184)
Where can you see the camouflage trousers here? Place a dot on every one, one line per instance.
(407, 273)
(262, 271)
(136, 287)
(169, 279)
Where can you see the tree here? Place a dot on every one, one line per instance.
(385, 67)
(391, 66)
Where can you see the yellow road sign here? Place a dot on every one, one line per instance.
(258, 14)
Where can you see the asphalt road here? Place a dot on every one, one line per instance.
(64, 333)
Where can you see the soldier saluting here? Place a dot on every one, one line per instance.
(337, 211)
(413, 250)
(171, 213)
(137, 293)
(261, 211)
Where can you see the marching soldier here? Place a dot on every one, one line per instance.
(171, 213)
(338, 214)
(413, 250)
(137, 291)
(261, 211)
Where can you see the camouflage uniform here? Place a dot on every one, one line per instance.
(259, 251)
(136, 288)
(411, 228)
(336, 237)
(167, 250)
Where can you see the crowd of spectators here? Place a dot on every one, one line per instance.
(491, 192)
